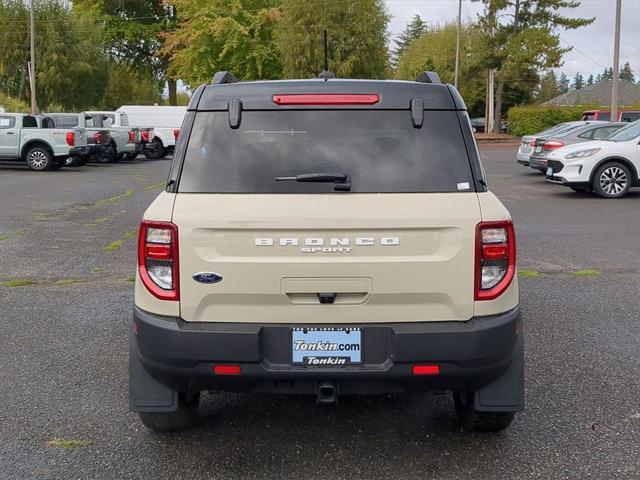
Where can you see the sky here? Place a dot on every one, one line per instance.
(593, 44)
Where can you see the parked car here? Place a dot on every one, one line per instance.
(166, 122)
(25, 138)
(608, 167)
(123, 137)
(543, 146)
(335, 237)
(605, 115)
(98, 140)
(526, 144)
(478, 124)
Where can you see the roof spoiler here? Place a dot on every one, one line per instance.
(223, 76)
(428, 77)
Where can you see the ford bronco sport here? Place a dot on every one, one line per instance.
(326, 237)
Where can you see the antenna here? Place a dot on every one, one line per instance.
(326, 74)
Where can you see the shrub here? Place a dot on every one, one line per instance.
(526, 120)
(11, 104)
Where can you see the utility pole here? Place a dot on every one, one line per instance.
(616, 65)
(32, 64)
(455, 78)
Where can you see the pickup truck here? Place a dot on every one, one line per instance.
(23, 139)
(605, 115)
(166, 122)
(126, 142)
(98, 139)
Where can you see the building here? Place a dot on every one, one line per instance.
(599, 94)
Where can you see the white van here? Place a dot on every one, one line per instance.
(166, 122)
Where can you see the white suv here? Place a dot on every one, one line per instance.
(608, 167)
(326, 237)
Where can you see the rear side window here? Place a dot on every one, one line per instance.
(630, 116)
(7, 122)
(379, 149)
(65, 121)
(604, 116)
(29, 122)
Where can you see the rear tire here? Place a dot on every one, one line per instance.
(184, 417)
(39, 159)
(157, 152)
(612, 180)
(470, 420)
(112, 155)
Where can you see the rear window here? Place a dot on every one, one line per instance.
(379, 149)
(65, 121)
(604, 116)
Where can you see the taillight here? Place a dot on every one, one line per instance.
(176, 134)
(532, 143)
(158, 259)
(326, 99)
(495, 258)
(97, 137)
(552, 145)
(71, 138)
(131, 136)
(145, 135)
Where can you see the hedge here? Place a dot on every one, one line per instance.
(529, 119)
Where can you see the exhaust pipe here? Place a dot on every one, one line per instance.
(327, 393)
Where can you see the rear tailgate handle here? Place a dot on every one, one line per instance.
(327, 291)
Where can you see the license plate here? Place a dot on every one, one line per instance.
(549, 171)
(326, 346)
(538, 149)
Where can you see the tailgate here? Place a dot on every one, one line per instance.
(383, 257)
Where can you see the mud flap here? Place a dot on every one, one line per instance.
(506, 394)
(145, 393)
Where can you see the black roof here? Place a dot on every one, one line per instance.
(394, 94)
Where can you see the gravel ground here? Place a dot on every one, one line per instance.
(63, 352)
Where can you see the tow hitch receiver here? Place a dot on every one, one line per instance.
(327, 393)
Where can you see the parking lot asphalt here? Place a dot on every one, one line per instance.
(63, 351)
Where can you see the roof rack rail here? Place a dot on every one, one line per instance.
(428, 77)
(223, 77)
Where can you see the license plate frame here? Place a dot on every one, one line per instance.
(320, 346)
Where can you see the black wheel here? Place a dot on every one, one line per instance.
(184, 417)
(612, 180)
(130, 156)
(580, 189)
(81, 162)
(157, 152)
(471, 420)
(39, 159)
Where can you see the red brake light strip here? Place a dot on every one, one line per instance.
(326, 99)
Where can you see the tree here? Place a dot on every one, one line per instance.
(128, 86)
(563, 83)
(626, 73)
(578, 82)
(234, 35)
(357, 31)
(523, 39)
(548, 88)
(69, 59)
(133, 34)
(590, 80)
(415, 28)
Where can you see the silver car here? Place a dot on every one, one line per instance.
(526, 146)
(544, 145)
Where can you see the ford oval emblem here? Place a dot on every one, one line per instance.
(207, 277)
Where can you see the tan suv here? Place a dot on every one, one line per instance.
(326, 237)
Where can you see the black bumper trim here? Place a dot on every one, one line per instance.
(181, 355)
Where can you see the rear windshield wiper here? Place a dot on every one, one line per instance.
(342, 181)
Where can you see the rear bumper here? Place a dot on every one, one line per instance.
(181, 355)
(82, 152)
(523, 158)
(538, 163)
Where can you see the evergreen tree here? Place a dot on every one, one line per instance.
(548, 88)
(563, 83)
(626, 73)
(599, 78)
(578, 82)
(523, 38)
(590, 80)
(414, 29)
